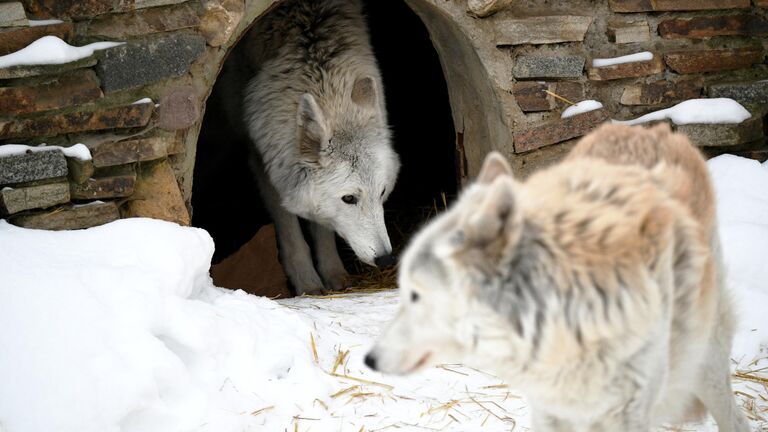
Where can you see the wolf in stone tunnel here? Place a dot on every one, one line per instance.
(596, 287)
(305, 88)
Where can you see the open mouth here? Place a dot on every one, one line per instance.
(422, 361)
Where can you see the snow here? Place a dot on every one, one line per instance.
(51, 50)
(77, 151)
(697, 111)
(35, 23)
(580, 108)
(119, 328)
(631, 58)
(142, 101)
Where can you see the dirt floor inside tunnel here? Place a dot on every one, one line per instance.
(225, 197)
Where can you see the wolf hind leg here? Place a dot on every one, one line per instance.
(329, 264)
(293, 251)
(715, 392)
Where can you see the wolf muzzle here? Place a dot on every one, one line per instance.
(385, 260)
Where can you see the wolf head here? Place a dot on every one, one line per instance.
(350, 167)
(448, 277)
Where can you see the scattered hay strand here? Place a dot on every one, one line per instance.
(551, 93)
(261, 410)
(361, 380)
(314, 348)
(344, 391)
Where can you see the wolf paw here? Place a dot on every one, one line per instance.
(335, 280)
(305, 280)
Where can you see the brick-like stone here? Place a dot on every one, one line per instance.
(157, 59)
(712, 60)
(750, 92)
(558, 131)
(629, 32)
(675, 5)
(711, 26)
(542, 29)
(71, 217)
(627, 70)
(66, 90)
(532, 96)
(179, 108)
(486, 8)
(16, 39)
(114, 186)
(37, 70)
(14, 200)
(662, 92)
(32, 166)
(80, 170)
(157, 195)
(548, 66)
(113, 150)
(761, 3)
(143, 22)
(220, 20)
(12, 14)
(79, 9)
(719, 135)
(104, 118)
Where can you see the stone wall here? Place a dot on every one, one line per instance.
(511, 68)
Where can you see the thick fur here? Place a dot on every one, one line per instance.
(595, 287)
(314, 110)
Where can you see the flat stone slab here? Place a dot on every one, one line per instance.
(71, 217)
(662, 92)
(158, 195)
(37, 70)
(32, 167)
(532, 96)
(720, 135)
(713, 60)
(548, 67)
(71, 89)
(88, 8)
(675, 5)
(627, 70)
(711, 26)
(157, 59)
(542, 29)
(143, 22)
(12, 15)
(128, 116)
(558, 131)
(746, 91)
(629, 32)
(33, 197)
(113, 150)
(105, 187)
(18, 38)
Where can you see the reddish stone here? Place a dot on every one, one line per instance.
(87, 8)
(761, 3)
(105, 187)
(104, 118)
(629, 32)
(114, 150)
(179, 109)
(144, 22)
(70, 217)
(662, 92)
(558, 131)
(627, 70)
(713, 60)
(160, 195)
(710, 26)
(675, 5)
(66, 90)
(532, 96)
(16, 39)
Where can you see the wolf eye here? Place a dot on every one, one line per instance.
(349, 199)
(414, 296)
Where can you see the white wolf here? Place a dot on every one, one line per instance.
(595, 287)
(314, 110)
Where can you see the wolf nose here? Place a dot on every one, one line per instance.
(384, 260)
(370, 361)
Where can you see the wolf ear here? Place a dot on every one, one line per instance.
(494, 165)
(312, 129)
(364, 92)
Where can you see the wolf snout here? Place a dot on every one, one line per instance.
(370, 360)
(385, 260)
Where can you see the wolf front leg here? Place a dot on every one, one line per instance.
(293, 250)
(328, 261)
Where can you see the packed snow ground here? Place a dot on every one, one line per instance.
(118, 328)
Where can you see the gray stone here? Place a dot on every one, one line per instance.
(542, 29)
(720, 135)
(548, 67)
(36, 70)
(33, 197)
(12, 15)
(71, 217)
(157, 59)
(755, 91)
(32, 166)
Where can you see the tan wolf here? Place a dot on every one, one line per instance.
(595, 287)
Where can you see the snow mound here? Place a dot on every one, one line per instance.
(631, 58)
(697, 111)
(77, 151)
(580, 108)
(49, 50)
